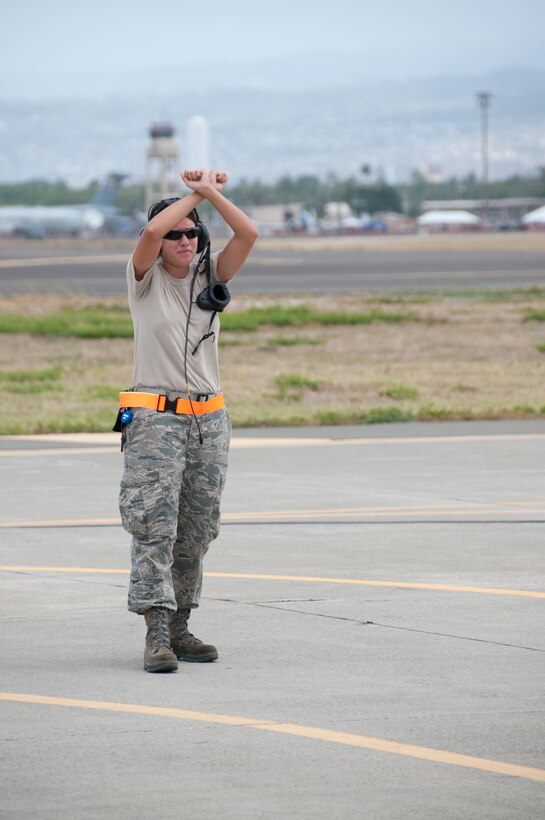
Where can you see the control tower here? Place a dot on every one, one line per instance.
(162, 164)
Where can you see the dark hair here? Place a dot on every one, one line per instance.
(157, 207)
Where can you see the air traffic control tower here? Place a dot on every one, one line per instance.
(162, 165)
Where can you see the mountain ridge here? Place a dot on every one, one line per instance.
(392, 125)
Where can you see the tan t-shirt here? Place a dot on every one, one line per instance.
(159, 304)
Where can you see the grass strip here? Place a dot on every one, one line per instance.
(30, 381)
(534, 316)
(84, 323)
(113, 322)
(280, 316)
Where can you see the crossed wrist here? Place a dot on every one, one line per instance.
(211, 192)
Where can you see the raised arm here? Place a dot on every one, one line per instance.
(208, 185)
(149, 244)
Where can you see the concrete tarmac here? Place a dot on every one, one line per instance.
(377, 598)
(338, 268)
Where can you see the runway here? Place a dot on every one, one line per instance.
(278, 267)
(376, 594)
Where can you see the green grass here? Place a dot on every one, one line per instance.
(115, 322)
(99, 321)
(399, 391)
(525, 409)
(103, 392)
(31, 381)
(297, 381)
(86, 323)
(291, 386)
(293, 341)
(79, 393)
(385, 415)
(375, 415)
(276, 315)
(96, 422)
(498, 295)
(534, 316)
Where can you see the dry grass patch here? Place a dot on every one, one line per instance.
(456, 358)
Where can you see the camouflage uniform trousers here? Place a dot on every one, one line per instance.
(170, 503)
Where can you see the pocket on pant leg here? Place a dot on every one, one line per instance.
(147, 505)
(133, 512)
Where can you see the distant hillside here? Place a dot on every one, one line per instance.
(265, 132)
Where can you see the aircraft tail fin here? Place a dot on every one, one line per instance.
(106, 194)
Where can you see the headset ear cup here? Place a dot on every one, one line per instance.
(204, 237)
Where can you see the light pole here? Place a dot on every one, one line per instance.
(484, 98)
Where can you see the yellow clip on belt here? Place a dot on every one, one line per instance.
(152, 401)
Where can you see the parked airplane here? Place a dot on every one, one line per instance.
(37, 221)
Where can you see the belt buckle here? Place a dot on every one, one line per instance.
(202, 396)
(170, 404)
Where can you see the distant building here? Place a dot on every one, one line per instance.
(337, 210)
(273, 218)
(499, 210)
(535, 220)
(448, 221)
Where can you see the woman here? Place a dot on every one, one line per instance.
(175, 427)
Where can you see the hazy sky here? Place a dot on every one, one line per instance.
(60, 43)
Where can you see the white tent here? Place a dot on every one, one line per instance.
(536, 217)
(436, 218)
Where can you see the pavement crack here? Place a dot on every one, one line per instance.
(359, 622)
(265, 605)
(457, 637)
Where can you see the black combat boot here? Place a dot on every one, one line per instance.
(186, 646)
(158, 656)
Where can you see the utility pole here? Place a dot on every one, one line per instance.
(484, 98)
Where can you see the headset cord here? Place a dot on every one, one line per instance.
(203, 254)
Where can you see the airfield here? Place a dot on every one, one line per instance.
(376, 594)
(298, 264)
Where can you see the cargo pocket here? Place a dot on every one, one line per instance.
(148, 503)
(136, 502)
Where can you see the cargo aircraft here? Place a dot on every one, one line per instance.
(38, 221)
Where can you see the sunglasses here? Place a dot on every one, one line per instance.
(189, 233)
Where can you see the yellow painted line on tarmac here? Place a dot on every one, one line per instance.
(77, 570)
(297, 730)
(60, 522)
(41, 261)
(244, 443)
(59, 451)
(248, 443)
(463, 274)
(254, 576)
(391, 511)
(273, 261)
(38, 261)
(362, 582)
(466, 508)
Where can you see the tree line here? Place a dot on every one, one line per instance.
(311, 192)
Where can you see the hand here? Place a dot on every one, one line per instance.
(218, 179)
(198, 180)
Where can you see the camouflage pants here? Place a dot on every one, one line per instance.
(170, 503)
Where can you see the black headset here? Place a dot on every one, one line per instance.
(203, 234)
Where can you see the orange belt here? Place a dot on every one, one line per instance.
(161, 403)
